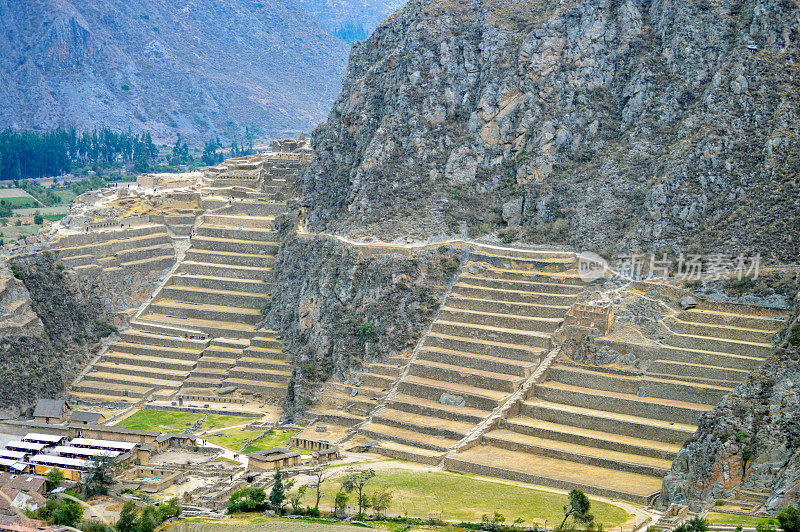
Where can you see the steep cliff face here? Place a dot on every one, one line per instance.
(160, 66)
(750, 440)
(338, 308)
(49, 324)
(606, 124)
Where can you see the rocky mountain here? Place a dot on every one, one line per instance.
(49, 325)
(609, 125)
(351, 20)
(201, 68)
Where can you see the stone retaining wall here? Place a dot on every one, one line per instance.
(456, 464)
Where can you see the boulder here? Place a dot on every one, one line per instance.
(512, 212)
(452, 400)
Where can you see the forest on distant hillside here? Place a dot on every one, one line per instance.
(30, 154)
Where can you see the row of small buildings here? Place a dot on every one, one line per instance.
(39, 453)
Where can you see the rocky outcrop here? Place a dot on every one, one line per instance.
(751, 440)
(339, 308)
(201, 68)
(49, 325)
(606, 124)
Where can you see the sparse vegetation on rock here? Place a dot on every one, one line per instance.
(610, 126)
(339, 309)
(39, 358)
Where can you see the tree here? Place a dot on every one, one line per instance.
(93, 525)
(67, 513)
(789, 519)
(278, 493)
(696, 524)
(38, 219)
(247, 500)
(54, 478)
(297, 497)
(340, 502)
(180, 153)
(100, 476)
(381, 500)
(356, 482)
(171, 508)
(127, 518)
(365, 331)
(577, 507)
(320, 474)
(210, 155)
(765, 526)
(149, 519)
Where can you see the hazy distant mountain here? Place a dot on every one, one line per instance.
(196, 66)
(351, 20)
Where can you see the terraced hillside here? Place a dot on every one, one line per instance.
(198, 333)
(615, 431)
(479, 396)
(115, 251)
(492, 331)
(490, 334)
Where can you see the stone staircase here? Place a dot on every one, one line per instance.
(212, 302)
(488, 337)
(613, 431)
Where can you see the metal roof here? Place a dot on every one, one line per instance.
(37, 437)
(48, 459)
(49, 408)
(66, 449)
(26, 445)
(102, 444)
(14, 455)
(13, 464)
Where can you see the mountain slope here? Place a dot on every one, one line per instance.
(348, 19)
(607, 124)
(197, 67)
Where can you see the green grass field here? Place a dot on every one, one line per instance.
(466, 498)
(66, 196)
(11, 233)
(20, 201)
(737, 520)
(161, 420)
(235, 438)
